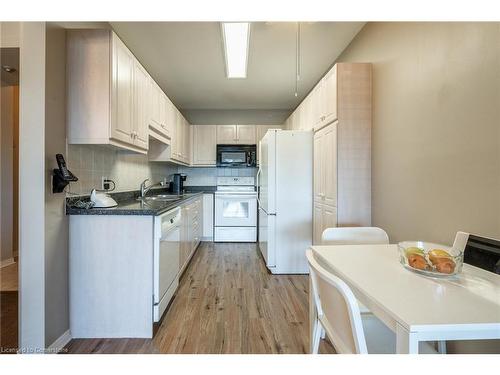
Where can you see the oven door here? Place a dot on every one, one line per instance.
(235, 210)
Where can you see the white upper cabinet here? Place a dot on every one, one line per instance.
(227, 134)
(112, 99)
(204, 145)
(329, 96)
(141, 106)
(155, 108)
(236, 134)
(245, 134)
(160, 114)
(108, 100)
(122, 93)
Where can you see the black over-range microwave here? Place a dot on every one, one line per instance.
(237, 156)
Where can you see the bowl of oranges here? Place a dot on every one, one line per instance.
(430, 259)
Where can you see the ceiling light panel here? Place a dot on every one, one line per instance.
(236, 36)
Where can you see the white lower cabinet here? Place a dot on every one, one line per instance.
(122, 278)
(324, 217)
(208, 217)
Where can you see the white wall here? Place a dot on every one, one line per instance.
(436, 127)
(436, 131)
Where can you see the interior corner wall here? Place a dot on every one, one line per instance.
(436, 132)
(56, 222)
(436, 127)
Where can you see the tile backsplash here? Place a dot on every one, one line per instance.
(90, 163)
(208, 176)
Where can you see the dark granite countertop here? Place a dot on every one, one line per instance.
(197, 189)
(128, 204)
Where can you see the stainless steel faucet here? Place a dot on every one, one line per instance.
(145, 189)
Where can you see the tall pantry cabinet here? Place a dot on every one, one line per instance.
(340, 109)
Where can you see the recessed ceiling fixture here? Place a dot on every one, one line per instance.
(236, 36)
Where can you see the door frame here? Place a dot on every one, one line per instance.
(32, 187)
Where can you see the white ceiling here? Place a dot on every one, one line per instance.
(187, 61)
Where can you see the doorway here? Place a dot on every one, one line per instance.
(9, 177)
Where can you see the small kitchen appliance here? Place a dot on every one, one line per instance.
(178, 183)
(237, 156)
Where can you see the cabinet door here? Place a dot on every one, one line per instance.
(141, 106)
(208, 216)
(317, 167)
(317, 223)
(169, 117)
(122, 98)
(163, 111)
(246, 134)
(154, 110)
(329, 219)
(329, 164)
(227, 134)
(330, 96)
(187, 142)
(177, 136)
(204, 144)
(317, 95)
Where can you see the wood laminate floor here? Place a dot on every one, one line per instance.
(227, 302)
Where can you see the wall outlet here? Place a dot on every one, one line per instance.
(104, 184)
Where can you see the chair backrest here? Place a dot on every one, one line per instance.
(354, 236)
(337, 309)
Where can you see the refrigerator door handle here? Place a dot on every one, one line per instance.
(257, 185)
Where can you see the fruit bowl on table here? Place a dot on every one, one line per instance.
(430, 259)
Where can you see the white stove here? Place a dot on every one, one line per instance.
(235, 210)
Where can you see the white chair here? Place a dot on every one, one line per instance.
(339, 316)
(354, 236)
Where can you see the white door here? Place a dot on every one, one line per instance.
(235, 210)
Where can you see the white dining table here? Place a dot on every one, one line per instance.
(416, 307)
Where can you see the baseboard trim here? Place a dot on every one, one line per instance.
(60, 343)
(7, 262)
(207, 239)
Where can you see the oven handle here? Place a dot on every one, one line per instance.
(235, 196)
(264, 210)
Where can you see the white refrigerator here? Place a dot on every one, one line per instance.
(285, 184)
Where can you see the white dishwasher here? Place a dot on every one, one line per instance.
(166, 259)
